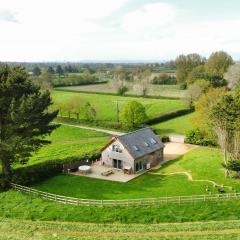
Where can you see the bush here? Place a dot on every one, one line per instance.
(31, 174)
(199, 137)
(164, 79)
(165, 139)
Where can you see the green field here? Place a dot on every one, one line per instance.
(202, 163)
(154, 90)
(179, 125)
(105, 105)
(16, 230)
(22, 206)
(70, 142)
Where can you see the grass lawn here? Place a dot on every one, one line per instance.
(70, 142)
(22, 206)
(37, 230)
(106, 104)
(154, 90)
(202, 163)
(178, 125)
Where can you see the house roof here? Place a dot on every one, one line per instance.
(141, 142)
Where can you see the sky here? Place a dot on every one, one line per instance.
(117, 30)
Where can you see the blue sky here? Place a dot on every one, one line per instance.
(76, 30)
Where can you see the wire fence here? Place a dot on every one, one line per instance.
(126, 202)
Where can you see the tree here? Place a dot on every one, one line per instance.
(143, 80)
(233, 76)
(59, 70)
(133, 114)
(225, 116)
(195, 90)
(24, 118)
(119, 80)
(89, 112)
(50, 70)
(185, 65)
(36, 71)
(204, 105)
(196, 74)
(217, 64)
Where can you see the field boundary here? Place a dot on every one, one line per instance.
(126, 202)
(62, 89)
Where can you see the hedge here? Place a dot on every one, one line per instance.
(170, 115)
(115, 94)
(31, 174)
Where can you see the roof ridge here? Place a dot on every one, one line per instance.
(135, 131)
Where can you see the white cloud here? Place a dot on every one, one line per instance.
(33, 30)
(149, 18)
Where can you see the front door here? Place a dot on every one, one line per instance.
(117, 163)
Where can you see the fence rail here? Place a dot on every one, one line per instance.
(126, 202)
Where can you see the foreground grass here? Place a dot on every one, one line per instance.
(15, 229)
(154, 90)
(178, 125)
(70, 142)
(17, 205)
(106, 104)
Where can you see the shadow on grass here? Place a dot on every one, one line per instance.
(167, 164)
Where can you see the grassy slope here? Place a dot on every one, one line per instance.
(106, 104)
(17, 205)
(14, 229)
(179, 125)
(70, 142)
(154, 90)
(202, 163)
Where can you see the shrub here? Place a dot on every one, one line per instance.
(199, 137)
(38, 172)
(165, 139)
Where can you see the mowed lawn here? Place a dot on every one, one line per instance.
(67, 230)
(178, 125)
(70, 142)
(154, 89)
(202, 163)
(105, 105)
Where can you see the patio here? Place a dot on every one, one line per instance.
(97, 169)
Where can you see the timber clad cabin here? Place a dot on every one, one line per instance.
(134, 151)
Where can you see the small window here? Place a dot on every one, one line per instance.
(146, 144)
(153, 141)
(135, 148)
(116, 148)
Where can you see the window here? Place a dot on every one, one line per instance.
(146, 144)
(135, 148)
(116, 148)
(153, 141)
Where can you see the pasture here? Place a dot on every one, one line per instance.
(105, 105)
(178, 125)
(154, 90)
(173, 179)
(65, 230)
(69, 142)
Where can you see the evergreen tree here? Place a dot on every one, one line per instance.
(24, 119)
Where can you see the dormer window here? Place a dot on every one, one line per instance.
(135, 148)
(146, 144)
(116, 148)
(153, 141)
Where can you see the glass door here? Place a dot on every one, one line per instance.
(117, 163)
